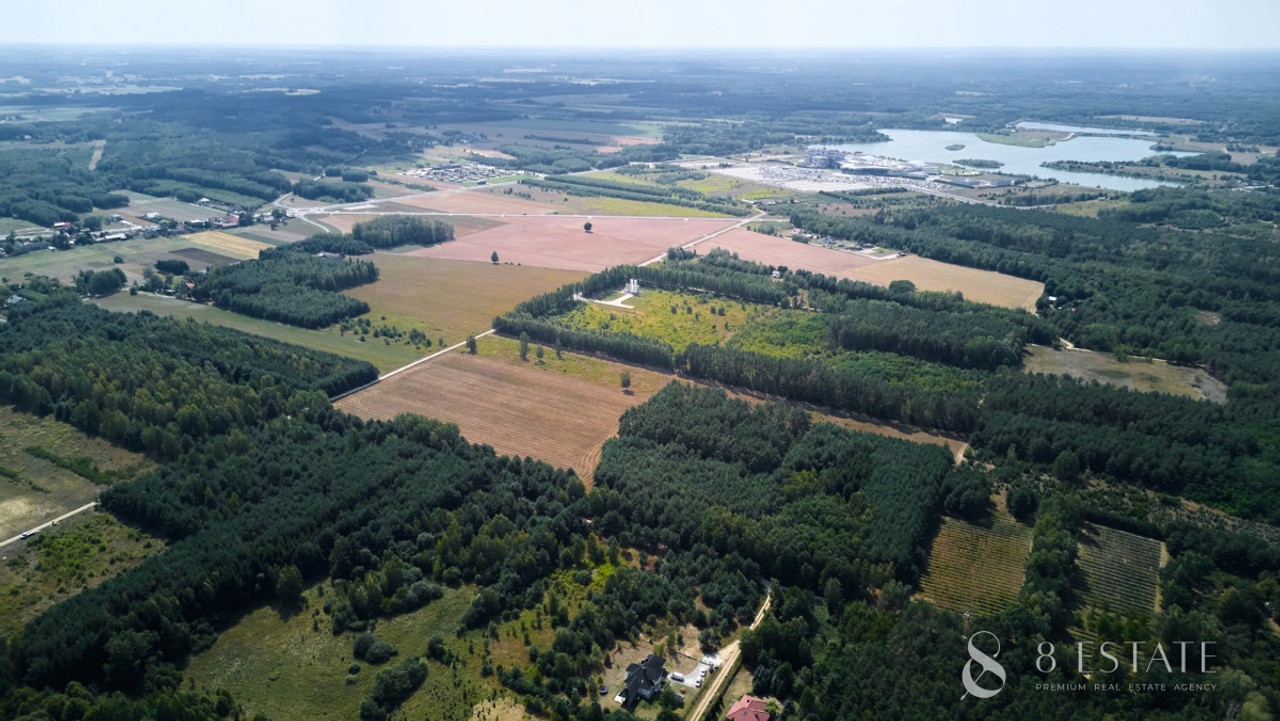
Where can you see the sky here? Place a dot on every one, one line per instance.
(817, 24)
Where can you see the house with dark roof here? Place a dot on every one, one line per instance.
(644, 681)
(748, 708)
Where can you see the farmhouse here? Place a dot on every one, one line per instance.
(748, 708)
(230, 220)
(644, 680)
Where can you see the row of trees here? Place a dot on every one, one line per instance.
(292, 288)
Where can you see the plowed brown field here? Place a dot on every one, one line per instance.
(519, 409)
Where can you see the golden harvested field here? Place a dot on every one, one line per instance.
(1121, 570)
(982, 286)
(228, 244)
(556, 410)
(976, 569)
(1137, 374)
(559, 242)
(450, 298)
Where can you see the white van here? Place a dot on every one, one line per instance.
(677, 677)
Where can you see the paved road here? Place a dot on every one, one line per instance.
(49, 524)
(727, 656)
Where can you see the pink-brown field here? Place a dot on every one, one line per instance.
(559, 242)
(773, 250)
(475, 201)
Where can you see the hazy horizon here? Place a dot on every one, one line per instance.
(662, 25)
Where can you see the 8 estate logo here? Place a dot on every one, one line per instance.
(989, 665)
(1129, 659)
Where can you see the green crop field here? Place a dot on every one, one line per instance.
(48, 468)
(82, 552)
(976, 569)
(1121, 570)
(676, 318)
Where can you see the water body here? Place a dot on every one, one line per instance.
(930, 146)
(1032, 125)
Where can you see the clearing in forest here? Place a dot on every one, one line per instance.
(977, 569)
(1121, 570)
(1139, 374)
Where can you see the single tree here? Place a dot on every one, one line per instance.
(471, 344)
(587, 226)
(1067, 467)
(494, 258)
(524, 346)
(625, 380)
(289, 587)
(538, 352)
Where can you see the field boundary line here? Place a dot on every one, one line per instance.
(404, 368)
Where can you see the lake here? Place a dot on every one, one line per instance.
(930, 146)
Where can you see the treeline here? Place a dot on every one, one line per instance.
(264, 185)
(339, 243)
(973, 340)
(389, 231)
(818, 382)
(671, 195)
(340, 192)
(561, 159)
(291, 288)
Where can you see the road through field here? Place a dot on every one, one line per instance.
(47, 524)
(437, 354)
